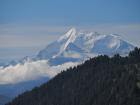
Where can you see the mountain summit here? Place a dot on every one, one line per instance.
(76, 46)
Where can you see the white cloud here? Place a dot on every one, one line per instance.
(30, 71)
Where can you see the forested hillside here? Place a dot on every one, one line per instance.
(99, 81)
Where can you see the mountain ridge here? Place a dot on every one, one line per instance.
(89, 44)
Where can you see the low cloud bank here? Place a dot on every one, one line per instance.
(30, 71)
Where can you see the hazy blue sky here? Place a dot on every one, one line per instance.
(28, 25)
(70, 11)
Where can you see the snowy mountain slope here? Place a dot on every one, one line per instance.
(57, 47)
(82, 45)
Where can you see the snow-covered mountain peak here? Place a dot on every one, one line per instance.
(71, 34)
(76, 45)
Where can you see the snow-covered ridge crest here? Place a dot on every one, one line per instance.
(83, 45)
